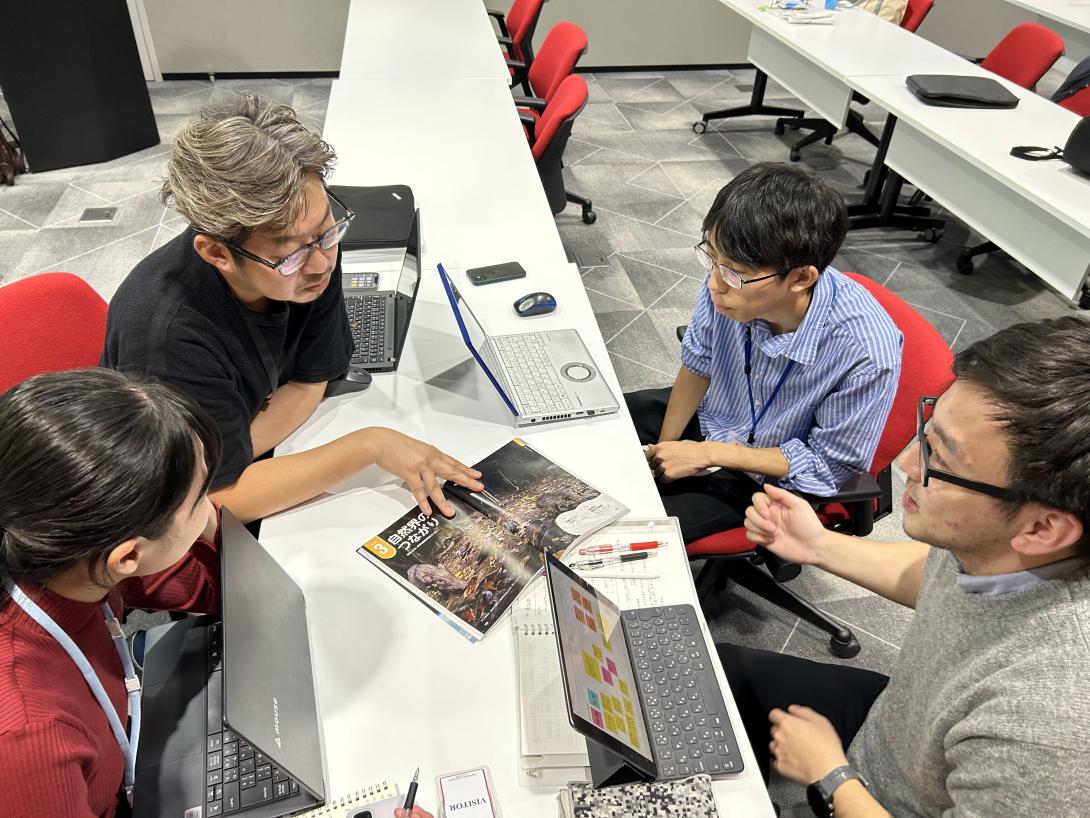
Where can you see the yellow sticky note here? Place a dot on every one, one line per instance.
(624, 688)
(591, 667)
(628, 707)
(597, 653)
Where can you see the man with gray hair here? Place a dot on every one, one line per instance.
(244, 310)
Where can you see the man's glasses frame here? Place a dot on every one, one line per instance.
(294, 261)
(731, 277)
(927, 472)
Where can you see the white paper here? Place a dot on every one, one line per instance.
(467, 795)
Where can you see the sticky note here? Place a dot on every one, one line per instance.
(624, 688)
(606, 676)
(575, 595)
(579, 615)
(591, 667)
(585, 603)
(597, 652)
(627, 705)
(596, 717)
(612, 666)
(592, 696)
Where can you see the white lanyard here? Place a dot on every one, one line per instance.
(127, 743)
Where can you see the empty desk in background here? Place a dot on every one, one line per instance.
(427, 40)
(1039, 212)
(469, 165)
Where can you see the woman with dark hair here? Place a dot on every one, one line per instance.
(103, 504)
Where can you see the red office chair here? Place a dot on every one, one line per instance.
(517, 29)
(1079, 102)
(49, 322)
(925, 370)
(1025, 54)
(1022, 57)
(562, 48)
(915, 12)
(548, 133)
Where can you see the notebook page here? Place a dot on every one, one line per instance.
(543, 720)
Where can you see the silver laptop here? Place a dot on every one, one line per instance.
(230, 719)
(543, 377)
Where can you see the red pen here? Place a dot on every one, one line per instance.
(621, 547)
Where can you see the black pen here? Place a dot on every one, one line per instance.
(410, 797)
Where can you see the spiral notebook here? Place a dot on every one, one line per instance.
(340, 807)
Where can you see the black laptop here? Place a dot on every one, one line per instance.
(380, 287)
(230, 719)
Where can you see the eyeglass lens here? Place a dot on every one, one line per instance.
(327, 241)
(729, 276)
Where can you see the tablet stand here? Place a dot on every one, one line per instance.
(607, 769)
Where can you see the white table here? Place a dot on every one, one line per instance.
(464, 154)
(427, 40)
(398, 688)
(814, 61)
(1039, 212)
(1068, 18)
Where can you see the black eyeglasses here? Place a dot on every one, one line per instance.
(732, 278)
(926, 472)
(294, 261)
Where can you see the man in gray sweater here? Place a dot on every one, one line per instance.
(987, 711)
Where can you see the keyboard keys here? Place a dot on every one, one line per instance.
(215, 808)
(214, 743)
(215, 761)
(255, 795)
(231, 798)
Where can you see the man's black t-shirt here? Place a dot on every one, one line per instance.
(175, 317)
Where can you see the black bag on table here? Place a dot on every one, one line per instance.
(953, 91)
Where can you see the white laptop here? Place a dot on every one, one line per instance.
(543, 377)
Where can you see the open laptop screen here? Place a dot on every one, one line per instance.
(599, 682)
(472, 333)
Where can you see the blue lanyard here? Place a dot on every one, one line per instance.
(754, 416)
(127, 743)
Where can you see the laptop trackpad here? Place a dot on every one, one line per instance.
(170, 778)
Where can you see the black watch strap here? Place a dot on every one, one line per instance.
(820, 793)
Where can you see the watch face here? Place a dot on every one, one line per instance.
(820, 805)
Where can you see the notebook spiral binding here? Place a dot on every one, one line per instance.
(364, 795)
(543, 629)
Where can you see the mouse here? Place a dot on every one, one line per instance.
(534, 304)
(354, 380)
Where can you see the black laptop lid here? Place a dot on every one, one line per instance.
(408, 284)
(268, 681)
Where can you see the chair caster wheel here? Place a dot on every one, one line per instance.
(931, 235)
(795, 154)
(779, 129)
(844, 645)
(965, 264)
(700, 126)
(589, 217)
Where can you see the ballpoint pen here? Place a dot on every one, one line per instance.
(621, 547)
(617, 559)
(410, 796)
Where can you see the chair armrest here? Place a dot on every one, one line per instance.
(506, 42)
(530, 123)
(518, 65)
(536, 103)
(501, 21)
(859, 487)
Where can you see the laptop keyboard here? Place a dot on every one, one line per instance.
(236, 775)
(367, 318)
(532, 373)
(690, 730)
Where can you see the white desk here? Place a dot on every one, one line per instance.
(465, 156)
(1068, 18)
(1039, 212)
(398, 688)
(426, 40)
(813, 61)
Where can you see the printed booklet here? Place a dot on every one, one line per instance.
(469, 569)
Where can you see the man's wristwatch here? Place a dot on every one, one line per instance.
(820, 793)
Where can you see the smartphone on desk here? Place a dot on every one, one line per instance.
(495, 273)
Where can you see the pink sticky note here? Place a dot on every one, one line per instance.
(596, 717)
(612, 666)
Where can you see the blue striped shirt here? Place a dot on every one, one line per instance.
(831, 409)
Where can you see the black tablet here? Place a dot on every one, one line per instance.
(599, 683)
